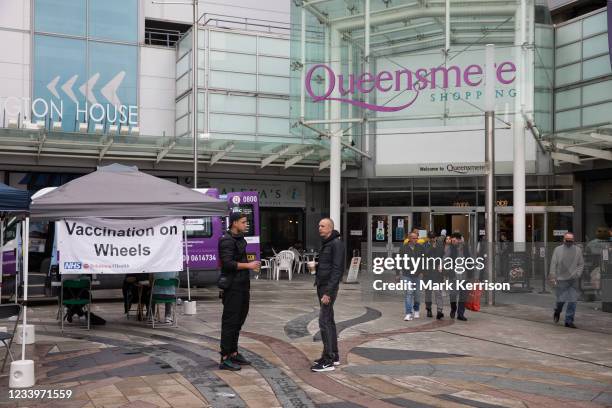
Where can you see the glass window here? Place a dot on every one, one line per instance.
(595, 45)
(567, 99)
(420, 199)
(567, 54)
(273, 107)
(598, 114)
(232, 103)
(114, 19)
(182, 125)
(568, 74)
(233, 42)
(273, 126)
(273, 84)
(63, 58)
(568, 119)
(274, 46)
(569, 33)
(199, 227)
(594, 24)
(183, 65)
(114, 61)
(232, 123)
(225, 80)
(274, 66)
(452, 198)
(227, 61)
(184, 44)
(183, 84)
(183, 106)
(598, 92)
(60, 16)
(560, 197)
(596, 67)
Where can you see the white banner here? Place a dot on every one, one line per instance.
(108, 246)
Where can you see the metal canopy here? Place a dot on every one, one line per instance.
(44, 143)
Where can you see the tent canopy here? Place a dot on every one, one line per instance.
(122, 191)
(13, 199)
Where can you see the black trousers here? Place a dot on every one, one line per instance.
(327, 325)
(235, 311)
(457, 301)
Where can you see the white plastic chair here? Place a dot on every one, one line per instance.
(298, 261)
(284, 262)
(266, 264)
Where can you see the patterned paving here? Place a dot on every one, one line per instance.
(488, 362)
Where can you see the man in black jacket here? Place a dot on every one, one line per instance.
(235, 267)
(329, 272)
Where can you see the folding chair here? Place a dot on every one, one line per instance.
(7, 311)
(157, 298)
(81, 299)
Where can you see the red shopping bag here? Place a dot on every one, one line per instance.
(473, 300)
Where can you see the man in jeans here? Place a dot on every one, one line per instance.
(234, 264)
(566, 268)
(329, 272)
(412, 300)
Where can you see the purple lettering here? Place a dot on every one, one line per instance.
(472, 70)
(398, 78)
(383, 76)
(501, 70)
(444, 71)
(421, 75)
(351, 84)
(365, 78)
(330, 84)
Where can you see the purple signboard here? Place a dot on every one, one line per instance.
(203, 233)
(247, 202)
(9, 262)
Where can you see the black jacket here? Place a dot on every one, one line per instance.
(232, 249)
(331, 264)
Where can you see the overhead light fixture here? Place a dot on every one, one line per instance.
(113, 129)
(135, 130)
(56, 126)
(98, 128)
(83, 127)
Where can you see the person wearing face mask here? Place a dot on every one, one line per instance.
(566, 268)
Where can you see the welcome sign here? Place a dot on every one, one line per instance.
(110, 246)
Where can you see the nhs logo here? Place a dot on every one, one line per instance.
(72, 265)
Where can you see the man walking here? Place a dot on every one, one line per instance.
(329, 272)
(413, 250)
(456, 250)
(566, 268)
(434, 249)
(235, 270)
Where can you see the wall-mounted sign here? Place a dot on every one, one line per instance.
(271, 193)
(451, 169)
(559, 232)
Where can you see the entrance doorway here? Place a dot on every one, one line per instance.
(280, 228)
(455, 222)
(387, 233)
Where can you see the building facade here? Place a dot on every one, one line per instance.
(91, 82)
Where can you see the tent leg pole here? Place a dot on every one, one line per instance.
(187, 256)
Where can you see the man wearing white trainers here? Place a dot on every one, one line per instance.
(327, 279)
(411, 302)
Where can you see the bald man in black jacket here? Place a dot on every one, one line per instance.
(329, 272)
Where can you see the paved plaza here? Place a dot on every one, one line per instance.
(509, 355)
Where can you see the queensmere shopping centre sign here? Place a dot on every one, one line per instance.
(445, 83)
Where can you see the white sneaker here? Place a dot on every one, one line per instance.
(417, 314)
(408, 317)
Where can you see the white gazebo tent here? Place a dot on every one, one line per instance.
(113, 191)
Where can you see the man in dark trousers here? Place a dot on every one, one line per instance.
(329, 272)
(236, 268)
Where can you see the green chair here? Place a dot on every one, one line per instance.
(82, 289)
(157, 298)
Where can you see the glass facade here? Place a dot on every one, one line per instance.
(86, 63)
(243, 92)
(583, 77)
